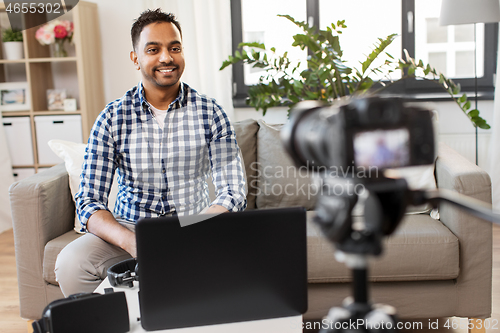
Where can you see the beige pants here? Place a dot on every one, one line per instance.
(82, 264)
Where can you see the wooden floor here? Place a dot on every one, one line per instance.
(10, 322)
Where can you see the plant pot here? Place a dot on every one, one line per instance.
(13, 50)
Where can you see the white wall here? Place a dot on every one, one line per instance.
(115, 20)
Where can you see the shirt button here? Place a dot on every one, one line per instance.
(163, 171)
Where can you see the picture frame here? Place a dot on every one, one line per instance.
(55, 99)
(14, 96)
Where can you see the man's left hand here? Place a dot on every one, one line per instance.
(215, 209)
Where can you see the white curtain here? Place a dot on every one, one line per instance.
(495, 143)
(6, 179)
(206, 34)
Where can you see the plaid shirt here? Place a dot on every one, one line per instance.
(161, 170)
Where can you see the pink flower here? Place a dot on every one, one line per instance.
(60, 32)
(68, 25)
(44, 37)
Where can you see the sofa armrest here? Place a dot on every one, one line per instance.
(454, 172)
(42, 209)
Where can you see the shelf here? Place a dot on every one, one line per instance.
(56, 113)
(65, 59)
(37, 60)
(15, 113)
(80, 75)
(19, 61)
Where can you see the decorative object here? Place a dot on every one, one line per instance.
(70, 104)
(56, 33)
(13, 44)
(327, 78)
(55, 99)
(454, 12)
(14, 96)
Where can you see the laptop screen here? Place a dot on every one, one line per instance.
(232, 267)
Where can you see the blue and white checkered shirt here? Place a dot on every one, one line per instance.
(161, 170)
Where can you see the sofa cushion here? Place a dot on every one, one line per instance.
(278, 182)
(51, 252)
(246, 136)
(73, 155)
(420, 249)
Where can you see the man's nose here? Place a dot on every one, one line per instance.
(166, 57)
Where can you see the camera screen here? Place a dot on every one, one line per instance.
(382, 148)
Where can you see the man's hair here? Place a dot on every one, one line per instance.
(151, 16)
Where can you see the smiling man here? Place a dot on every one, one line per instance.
(163, 139)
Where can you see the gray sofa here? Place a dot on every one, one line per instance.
(430, 268)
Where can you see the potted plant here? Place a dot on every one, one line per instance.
(327, 76)
(13, 44)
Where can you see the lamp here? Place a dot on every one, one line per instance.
(454, 12)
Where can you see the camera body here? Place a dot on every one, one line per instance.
(358, 134)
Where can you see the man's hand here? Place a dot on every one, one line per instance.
(103, 224)
(215, 209)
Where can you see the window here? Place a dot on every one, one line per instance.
(449, 49)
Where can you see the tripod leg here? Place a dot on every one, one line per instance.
(360, 285)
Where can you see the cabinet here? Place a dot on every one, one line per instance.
(80, 74)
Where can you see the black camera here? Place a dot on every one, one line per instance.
(358, 134)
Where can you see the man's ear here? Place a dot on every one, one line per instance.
(133, 57)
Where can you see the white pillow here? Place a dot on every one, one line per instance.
(73, 156)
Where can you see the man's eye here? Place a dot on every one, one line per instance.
(151, 50)
(176, 49)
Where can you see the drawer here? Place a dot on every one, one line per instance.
(48, 128)
(18, 135)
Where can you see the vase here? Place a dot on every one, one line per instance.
(13, 50)
(59, 50)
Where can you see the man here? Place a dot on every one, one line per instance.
(163, 139)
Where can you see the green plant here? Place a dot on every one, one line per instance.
(327, 76)
(12, 35)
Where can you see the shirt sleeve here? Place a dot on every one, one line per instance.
(227, 169)
(97, 171)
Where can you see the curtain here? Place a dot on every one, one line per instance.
(6, 180)
(495, 144)
(206, 34)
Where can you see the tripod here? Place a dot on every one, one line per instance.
(385, 204)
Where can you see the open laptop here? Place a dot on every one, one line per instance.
(232, 267)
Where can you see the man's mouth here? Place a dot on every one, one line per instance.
(166, 70)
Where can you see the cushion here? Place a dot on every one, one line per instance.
(73, 155)
(246, 136)
(278, 182)
(421, 248)
(281, 184)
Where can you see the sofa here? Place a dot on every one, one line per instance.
(430, 267)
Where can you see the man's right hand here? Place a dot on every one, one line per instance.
(104, 225)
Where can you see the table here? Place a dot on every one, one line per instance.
(282, 325)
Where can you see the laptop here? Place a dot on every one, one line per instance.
(232, 267)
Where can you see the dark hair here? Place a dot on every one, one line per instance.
(151, 16)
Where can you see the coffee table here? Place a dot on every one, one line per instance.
(283, 325)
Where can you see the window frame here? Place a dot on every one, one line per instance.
(412, 88)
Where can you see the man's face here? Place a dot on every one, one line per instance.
(159, 55)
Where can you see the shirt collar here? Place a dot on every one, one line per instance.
(181, 98)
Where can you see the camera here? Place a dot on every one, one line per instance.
(359, 133)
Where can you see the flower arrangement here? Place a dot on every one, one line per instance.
(56, 32)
